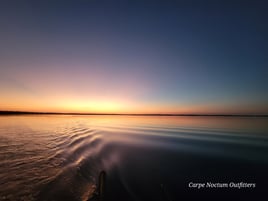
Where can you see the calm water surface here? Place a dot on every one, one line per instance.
(146, 158)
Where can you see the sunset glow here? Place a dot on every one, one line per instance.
(96, 58)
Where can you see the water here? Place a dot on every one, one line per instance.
(46, 157)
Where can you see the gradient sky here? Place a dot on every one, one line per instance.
(134, 56)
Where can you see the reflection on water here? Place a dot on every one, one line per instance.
(146, 158)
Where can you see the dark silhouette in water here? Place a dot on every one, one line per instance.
(99, 194)
(59, 158)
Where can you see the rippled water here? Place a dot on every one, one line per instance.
(146, 158)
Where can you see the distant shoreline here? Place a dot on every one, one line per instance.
(125, 114)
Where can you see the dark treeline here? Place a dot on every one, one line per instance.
(126, 114)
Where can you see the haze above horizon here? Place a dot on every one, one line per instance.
(134, 57)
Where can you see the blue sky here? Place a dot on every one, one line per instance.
(134, 56)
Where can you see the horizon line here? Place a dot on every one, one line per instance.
(4, 112)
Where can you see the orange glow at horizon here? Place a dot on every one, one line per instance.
(72, 60)
(119, 106)
(64, 95)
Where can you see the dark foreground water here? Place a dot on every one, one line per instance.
(145, 158)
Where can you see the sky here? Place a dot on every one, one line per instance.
(134, 56)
